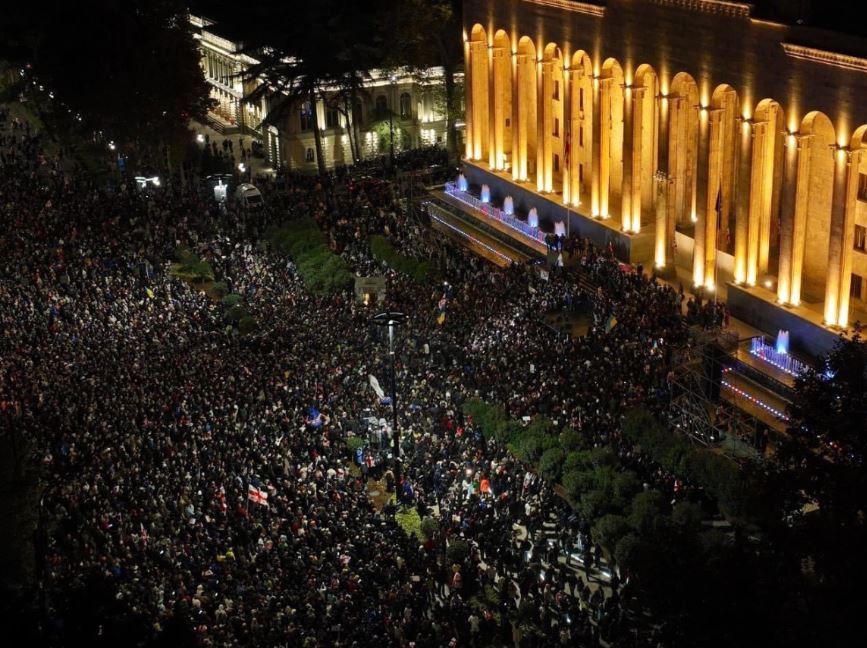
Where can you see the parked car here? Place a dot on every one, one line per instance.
(248, 195)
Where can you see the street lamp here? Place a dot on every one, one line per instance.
(391, 122)
(391, 321)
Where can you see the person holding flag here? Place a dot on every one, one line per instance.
(256, 494)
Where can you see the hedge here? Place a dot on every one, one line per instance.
(323, 272)
(738, 495)
(190, 267)
(384, 251)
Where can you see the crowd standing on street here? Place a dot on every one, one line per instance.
(151, 421)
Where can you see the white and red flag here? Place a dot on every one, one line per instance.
(257, 495)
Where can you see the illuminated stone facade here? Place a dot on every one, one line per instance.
(684, 118)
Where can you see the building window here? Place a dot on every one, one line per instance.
(306, 114)
(332, 119)
(508, 122)
(580, 136)
(381, 107)
(581, 99)
(309, 155)
(581, 174)
(556, 163)
(862, 186)
(556, 91)
(405, 106)
(556, 127)
(357, 113)
(855, 286)
(861, 238)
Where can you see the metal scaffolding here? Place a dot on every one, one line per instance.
(697, 410)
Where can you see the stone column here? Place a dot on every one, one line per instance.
(479, 58)
(700, 232)
(541, 101)
(523, 114)
(799, 223)
(468, 89)
(639, 97)
(663, 252)
(596, 152)
(516, 123)
(747, 218)
(787, 219)
(714, 190)
(853, 169)
(491, 117)
(568, 143)
(546, 101)
(629, 172)
(845, 189)
(605, 146)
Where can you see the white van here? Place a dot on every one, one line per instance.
(248, 195)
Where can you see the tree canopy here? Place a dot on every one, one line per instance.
(129, 69)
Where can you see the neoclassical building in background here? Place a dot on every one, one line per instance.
(686, 133)
(407, 101)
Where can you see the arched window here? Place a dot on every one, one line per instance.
(306, 116)
(381, 107)
(357, 113)
(405, 106)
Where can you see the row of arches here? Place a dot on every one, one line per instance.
(631, 147)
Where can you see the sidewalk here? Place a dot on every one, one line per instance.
(258, 166)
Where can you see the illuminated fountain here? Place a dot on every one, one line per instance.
(783, 342)
(486, 194)
(533, 218)
(560, 228)
(462, 183)
(508, 206)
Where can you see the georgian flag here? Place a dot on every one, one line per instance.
(257, 495)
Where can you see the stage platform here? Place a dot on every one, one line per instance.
(758, 306)
(484, 235)
(629, 248)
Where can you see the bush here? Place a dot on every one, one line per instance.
(322, 271)
(608, 530)
(382, 250)
(190, 267)
(355, 442)
(647, 513)
(247, 325)
(626, 549)
(626, 485)
(738, 493)
(687, 516)
(579, 460)
(236, 313)
(571, 439)
(457, 551)
(528, 447)
(429, 528)
(577, 482)
(551, 464)
(232, 299)
(218, 289)
(594, 504)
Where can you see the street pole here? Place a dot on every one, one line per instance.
(395, 429)
(393, 320)
(394, 101)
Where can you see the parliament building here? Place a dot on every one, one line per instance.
(726, 149)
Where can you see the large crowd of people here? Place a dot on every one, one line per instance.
(151, 421)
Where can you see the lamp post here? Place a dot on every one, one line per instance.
(393, 78)
(391, 321)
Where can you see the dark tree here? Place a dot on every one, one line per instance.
(130, 69)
